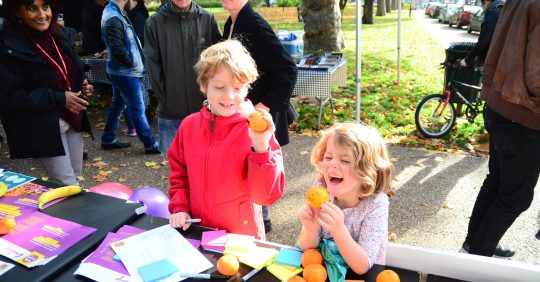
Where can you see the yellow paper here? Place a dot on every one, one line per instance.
(259, 257)
(283, 273)
(239, 243)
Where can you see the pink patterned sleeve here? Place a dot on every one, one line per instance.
(374, 229)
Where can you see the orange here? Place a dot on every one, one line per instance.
(257, 122)
(7, 223)
(296, 278)
(388, 276)
(315, 273)
(228, 265)
(316, 196)
(311, 256)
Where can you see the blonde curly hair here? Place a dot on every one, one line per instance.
(369, 156)
(229, 54)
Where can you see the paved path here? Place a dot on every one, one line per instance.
(442, 32)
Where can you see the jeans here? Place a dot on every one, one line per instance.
(167, 129)
(507, 191)
(127, 92)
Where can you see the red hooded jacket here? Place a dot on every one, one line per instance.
(215, 175)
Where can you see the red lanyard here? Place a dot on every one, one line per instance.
(62, 71)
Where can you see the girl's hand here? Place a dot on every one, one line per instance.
(87, 89)
(261, 140)
(309, 218)
(331, 218)
(75, 104)
(178, 220)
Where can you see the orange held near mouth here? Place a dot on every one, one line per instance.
(256, 122)
(316, 196)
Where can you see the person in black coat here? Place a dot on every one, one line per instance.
(137, 16)
(42, 90)
(273, 89)
(91, 26)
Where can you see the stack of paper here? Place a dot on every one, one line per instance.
(214, 240)
(259, 257)
(289, 257)
(237, 245)
(283, 272)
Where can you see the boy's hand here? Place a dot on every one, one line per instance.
(309, 218)
(331, 218)
(178, 220)
(261, 140)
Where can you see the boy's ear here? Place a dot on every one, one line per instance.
(203, 89)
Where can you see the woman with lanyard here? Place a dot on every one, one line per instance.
(42, 91)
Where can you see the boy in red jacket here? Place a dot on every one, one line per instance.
(222, 171)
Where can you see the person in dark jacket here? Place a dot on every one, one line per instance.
(42, 90)
(273, 89)
(137, 16)
(492, 11)
(91, 27)
(71, 9)
(125, 67)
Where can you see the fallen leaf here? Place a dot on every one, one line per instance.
(163, 177)
(394, 160)
(105, 173)
(303, 153)
(97, 159)
(81, 178)
(121, 179)
(438, 159)
(150, 164)
(32, 168)
(164, 163)
(446, 206)
(123, 165)
(114, 168)
(99, 178)
(44, 178)
(100, 165)
(392, 236)
(156, 167)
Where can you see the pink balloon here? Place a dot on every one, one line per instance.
(113, 189)
(156, 202)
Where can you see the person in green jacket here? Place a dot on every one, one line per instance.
(174, 38)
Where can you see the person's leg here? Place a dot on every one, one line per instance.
(113, 116)
(75, 144)
(167, 129)
(59, 169)
(130, 90)
(131, 131)
(518, 151)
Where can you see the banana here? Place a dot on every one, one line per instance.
(3, 188)
(60, 192)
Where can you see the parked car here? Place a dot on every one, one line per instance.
(448, 11)
(476, 22)
(433, 9)
(463, 18)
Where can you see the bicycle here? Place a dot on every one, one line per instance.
(436, 114)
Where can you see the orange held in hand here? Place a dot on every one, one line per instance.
(228, 265)
(7, 223)
(257, 122)
(388, 276)
(314, 273)
(316, 196)
(311, 256)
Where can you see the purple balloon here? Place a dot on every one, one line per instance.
(113, 189)
(156, 202)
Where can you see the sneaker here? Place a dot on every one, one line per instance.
(115, 145)
(500, 251)
(152, 151)
(267, 225)
(131, 132)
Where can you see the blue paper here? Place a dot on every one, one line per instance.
(289, 257)
(157, 270)
(116, 258)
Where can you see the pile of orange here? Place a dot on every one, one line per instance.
(316, 196)
(7, 223)
(388, 276)
(314, 271)
(228, 265)
(256, 122)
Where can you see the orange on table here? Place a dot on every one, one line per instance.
(311, 256)
(314, 273)
(7, 223)
(256, 122)
(228, 265)
(388, 276)
(316, 196)
(296, 278)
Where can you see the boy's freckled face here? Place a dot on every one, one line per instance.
(336, 168)
(224, 93)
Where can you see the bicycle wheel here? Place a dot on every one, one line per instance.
(434, 118)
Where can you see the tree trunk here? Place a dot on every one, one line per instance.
(367, 17)
(322, 26)
(388, 5)
(381, 10)
(267, 3)
(395, 4)
(342, 4)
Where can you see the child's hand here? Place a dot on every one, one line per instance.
(309, 218)
(331, 218)
(261, 140)
(178, 220)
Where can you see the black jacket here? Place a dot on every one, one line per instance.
(277, 70)
(491, 17)
(29, 106)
